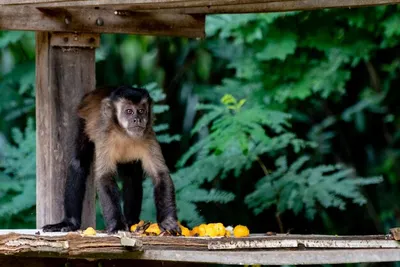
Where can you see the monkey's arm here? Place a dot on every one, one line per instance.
(109, 194)
(164, 190)
(75, 187)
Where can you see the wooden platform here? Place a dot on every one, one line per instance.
(256, 249)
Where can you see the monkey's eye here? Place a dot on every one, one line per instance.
(141, 111)
(129, 111)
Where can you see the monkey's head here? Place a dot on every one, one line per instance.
(132, 110)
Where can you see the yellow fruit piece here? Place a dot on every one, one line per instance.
(89, 231)
(220, 229)
(241, 231)
(133, 227)
(154, 229)
(185, 231)
(202, 229)
(210, 230)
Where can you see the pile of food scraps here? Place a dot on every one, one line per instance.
(203, 230)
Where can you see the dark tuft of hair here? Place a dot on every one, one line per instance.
(134, 94)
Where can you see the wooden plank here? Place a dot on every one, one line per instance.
(181, 249)
(93, 20)
(215, 7)
(291, 242)
(277, 6)
(138, 4)
(170, 258)
(12, 261)
(63, 75)
(19, 2)
(64, 39)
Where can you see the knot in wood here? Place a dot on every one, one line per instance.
(99, 22)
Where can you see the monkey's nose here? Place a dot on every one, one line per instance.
(137, 120)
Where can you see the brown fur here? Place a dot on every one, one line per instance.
(115, 133)
(113, 145)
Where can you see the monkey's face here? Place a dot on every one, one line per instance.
(133, 117)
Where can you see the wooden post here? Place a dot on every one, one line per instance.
(65, 70)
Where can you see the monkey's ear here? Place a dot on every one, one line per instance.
(106, 108)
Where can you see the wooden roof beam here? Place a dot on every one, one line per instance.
(268, 6)
(206, 6)
(96, 20)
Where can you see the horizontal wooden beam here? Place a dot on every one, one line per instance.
(23, 2)
(269, 6)
(92, 20)
(210, 7)
(256, 249)
(138, 4)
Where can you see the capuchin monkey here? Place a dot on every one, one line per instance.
(115, 132)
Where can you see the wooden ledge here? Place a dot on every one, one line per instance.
(256, 249)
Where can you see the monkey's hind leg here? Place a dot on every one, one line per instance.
(75, 187)
(132, 176)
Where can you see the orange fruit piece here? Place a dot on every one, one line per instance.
(185, 231)
(195, 231)
(133, 227)
(241, 231)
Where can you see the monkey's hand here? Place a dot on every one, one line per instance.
(170, 224)
(64, 226)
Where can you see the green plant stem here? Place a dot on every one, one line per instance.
(277, 215)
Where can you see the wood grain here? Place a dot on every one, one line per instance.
(15, 2)
(183, 249)
(91, 20)
(139, 4)
(64, 39)
(63, 75)
(12, 261)
(208, 7)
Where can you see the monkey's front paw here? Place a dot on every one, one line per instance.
(63, 226)
(170, 225)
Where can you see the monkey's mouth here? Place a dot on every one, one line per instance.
(136, 128)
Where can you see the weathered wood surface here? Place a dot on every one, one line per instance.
(64, 39)
(12, 261)
(205, 6)
(273, 6)
(63, 75)
(154, 4)
(52, 1)
(91, 20)
(309, 250)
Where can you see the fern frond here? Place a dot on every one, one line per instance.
(292, 188)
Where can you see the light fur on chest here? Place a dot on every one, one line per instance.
(121, 148)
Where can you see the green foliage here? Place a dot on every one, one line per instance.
(18, 190)
(321, 84)
(158, 96)
(293, 189)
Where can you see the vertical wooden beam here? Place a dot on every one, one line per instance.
(64, 72)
